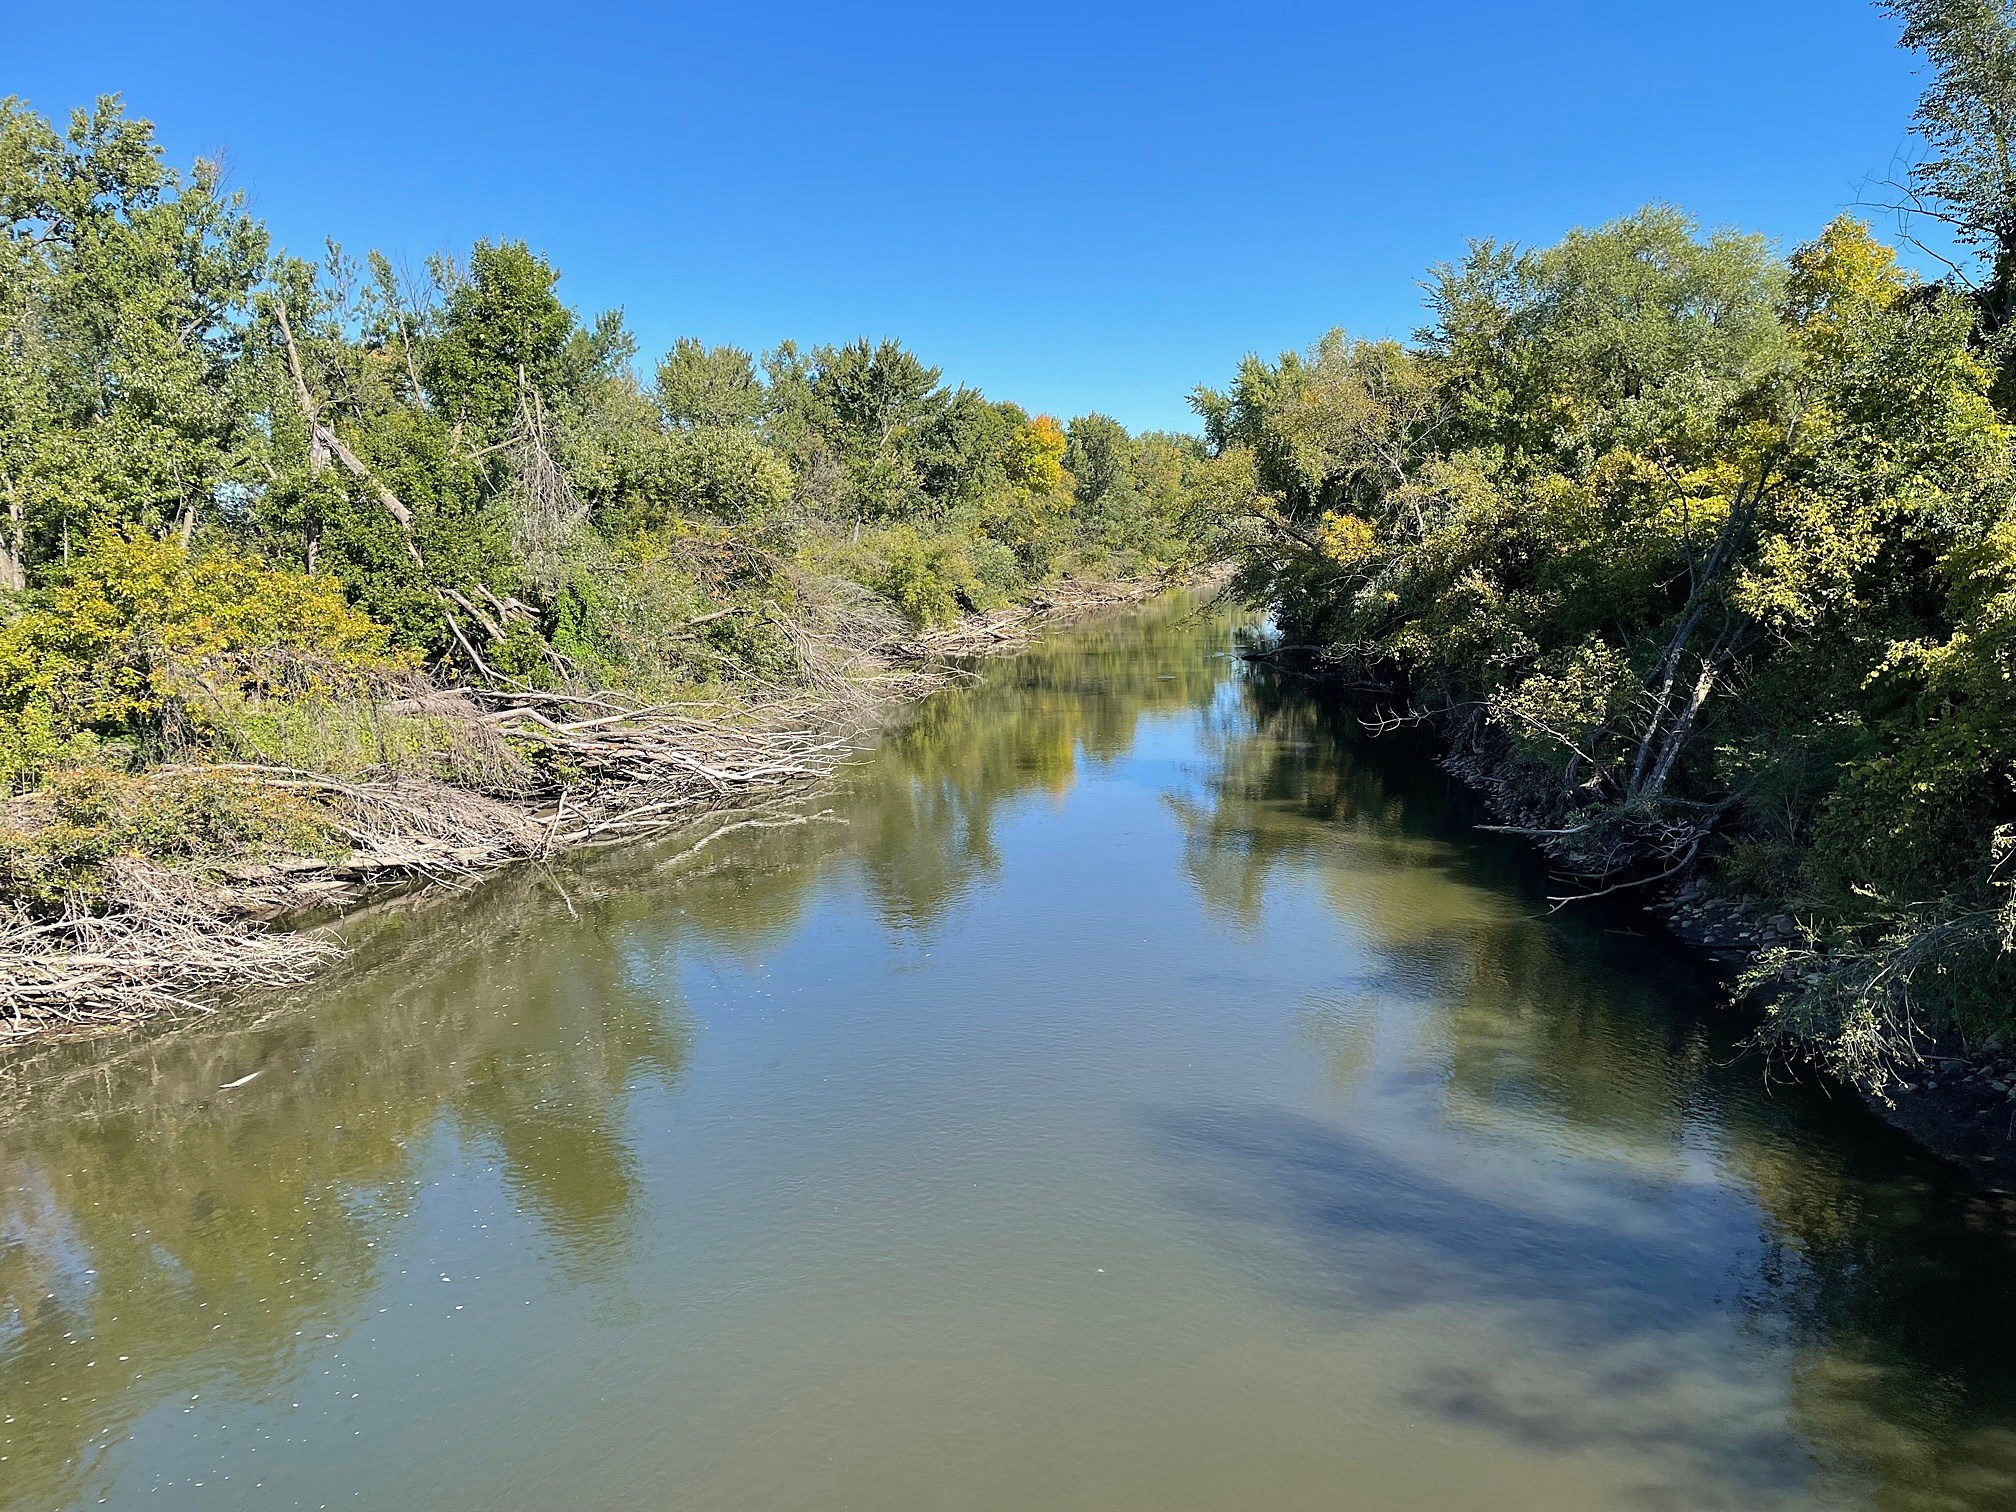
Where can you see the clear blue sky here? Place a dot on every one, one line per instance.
(1076, 207)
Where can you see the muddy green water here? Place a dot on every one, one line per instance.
(1134, 1091)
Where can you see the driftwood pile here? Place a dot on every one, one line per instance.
(615, 769)
(1006, 630)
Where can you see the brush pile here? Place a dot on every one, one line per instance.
(150, 936)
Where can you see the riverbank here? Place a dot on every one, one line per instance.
(167, 925)
(1956, 1099)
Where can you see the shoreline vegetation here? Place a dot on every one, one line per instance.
(1700, 556)
(167, 935)
(320, 575)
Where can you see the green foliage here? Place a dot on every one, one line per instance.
(1560, 713)
(1100, 456)
(709, 387)
(1967, 117)
(247, 500)
(340, 736)
(929, 578)
(961, 456)
(503, 331)
(124, 306)
(60, 849)
(728, 476)
(876, 395)
(1680, 531)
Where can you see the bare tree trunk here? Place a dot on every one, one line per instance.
(412, 370)
(1683, 728)
(324, 443)
(1668, 674)
(1742, 510)
(13, 551)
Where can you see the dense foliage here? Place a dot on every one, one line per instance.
(231, 474)
(1700, 552)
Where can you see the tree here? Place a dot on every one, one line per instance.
(124, 303)
(1968, 121)
(1099, 455)
(502, 328)
(875, 394)
(701, 386)
(1036, 456)
(961, 455)
(714, 472)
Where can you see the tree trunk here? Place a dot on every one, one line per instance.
(1669, 673)
(13, 551)
(324, 443)
(1683, 728)
(1645, 771)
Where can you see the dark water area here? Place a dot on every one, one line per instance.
(1134, 1088)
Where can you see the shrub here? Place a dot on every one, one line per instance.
(139, 635)
(929, 578)
(1915, 821)
(723, 474)
(57, 848)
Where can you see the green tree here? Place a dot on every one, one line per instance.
(1968, 121)
(1100, 458)
(876, 395)
(701, 386)
(503, 331)
(124, 303)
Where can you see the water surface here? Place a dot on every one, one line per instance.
(1134, 1091)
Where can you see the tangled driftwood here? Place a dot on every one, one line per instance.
(157, 945)
(616, 769)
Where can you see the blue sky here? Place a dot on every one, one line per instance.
(1075, 207)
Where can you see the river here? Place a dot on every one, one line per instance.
(1134, 1090)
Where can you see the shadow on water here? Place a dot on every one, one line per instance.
(1368, 1234)
(1570, 1138)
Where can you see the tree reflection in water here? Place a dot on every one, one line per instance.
(1580, 1037)
(148, 1216)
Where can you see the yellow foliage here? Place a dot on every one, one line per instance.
(1036, 455)
(136, 623)
(1346, 539)
(1841, 269)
